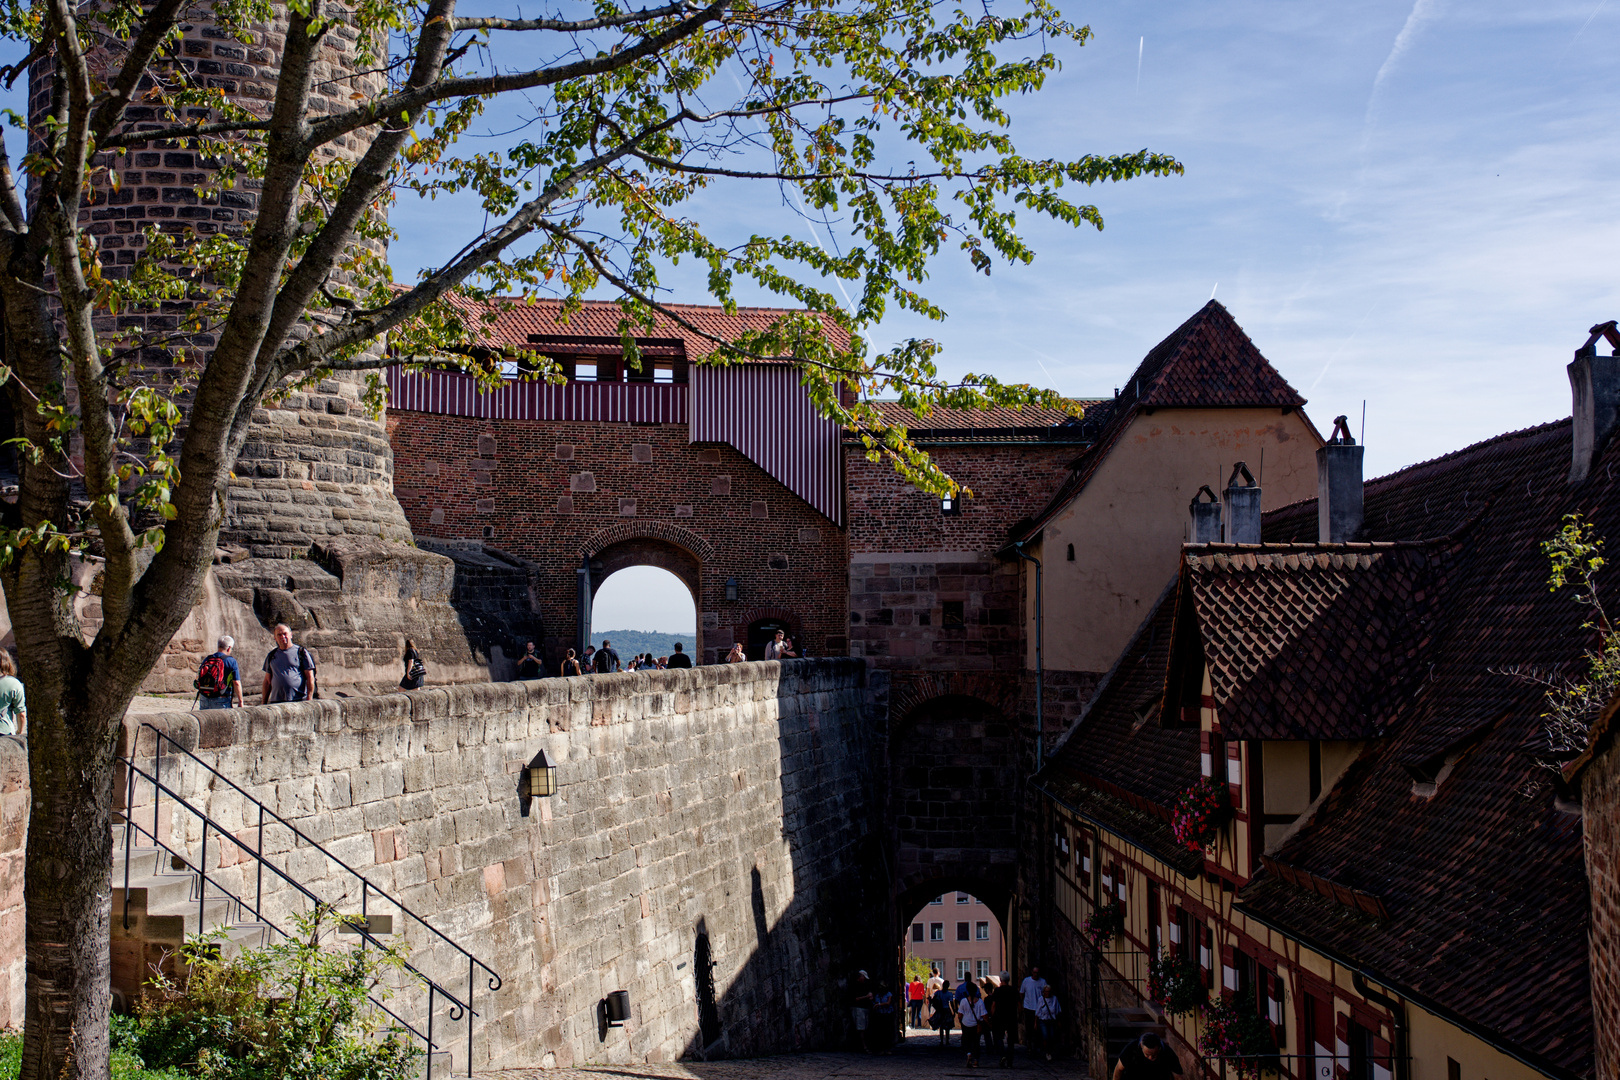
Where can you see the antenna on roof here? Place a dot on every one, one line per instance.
(1363, 421)
(1262, 465)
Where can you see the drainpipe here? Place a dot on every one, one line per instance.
(1040, 666)
(583, 629)
(1403, 1069)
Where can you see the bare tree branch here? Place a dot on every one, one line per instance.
(155, 27)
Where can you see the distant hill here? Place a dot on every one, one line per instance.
(630, 642)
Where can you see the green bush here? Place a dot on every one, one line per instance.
(126, 1065)
(295, 1010)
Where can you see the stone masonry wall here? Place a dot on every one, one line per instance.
(736, 800)
(633, 494)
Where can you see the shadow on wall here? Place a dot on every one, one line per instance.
(781, 984)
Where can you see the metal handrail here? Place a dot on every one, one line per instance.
(456, 1009)
(1259, 1063)
(494, 981)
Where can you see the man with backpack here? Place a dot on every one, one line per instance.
(289, 670)
(219, 680)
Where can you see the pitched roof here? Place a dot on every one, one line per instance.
(1310, 642)
(1206, 362)
(1483, 883)
(516, 322)
(1029, 424)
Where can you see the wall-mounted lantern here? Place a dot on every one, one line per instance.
(538, 780)
(618, 1008)
(950, 505)
(731, 588)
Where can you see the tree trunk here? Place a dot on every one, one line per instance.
(68, 891)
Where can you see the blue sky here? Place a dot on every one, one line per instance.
(1408, 204)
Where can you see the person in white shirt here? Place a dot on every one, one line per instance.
(1046, 1014)
(934, 982)
(1030, 989)
(972, 1016)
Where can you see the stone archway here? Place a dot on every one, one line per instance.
(652, 543)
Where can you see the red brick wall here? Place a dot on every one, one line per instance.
(1009, 482)
(549, 491)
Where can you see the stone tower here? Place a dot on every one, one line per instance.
(313, 535)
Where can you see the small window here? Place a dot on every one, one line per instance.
(916, 931)
(962, 932)
(952, 616)
(963, 898)
(981, 931)
(1453, 1069)
(1071, 553)
(964, 968)
(982, 969)
(936, 931)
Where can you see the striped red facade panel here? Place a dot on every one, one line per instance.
(759, 409)
(762, 411)
(454, 394)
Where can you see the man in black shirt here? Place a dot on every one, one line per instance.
(606, 659)
(529, 666)
(1147, 1059)
(678, 658)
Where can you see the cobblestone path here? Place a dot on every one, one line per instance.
(918, 1058)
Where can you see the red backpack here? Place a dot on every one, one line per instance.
(211, 679)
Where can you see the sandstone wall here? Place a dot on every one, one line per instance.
(737, 801)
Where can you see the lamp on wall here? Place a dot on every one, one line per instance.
(537, 780)
(731, 588)
(618, 1008)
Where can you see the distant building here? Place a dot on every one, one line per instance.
(957, 935)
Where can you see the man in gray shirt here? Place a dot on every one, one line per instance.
(289, 670)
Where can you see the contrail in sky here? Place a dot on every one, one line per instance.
(1140, 42)
(1422, 11)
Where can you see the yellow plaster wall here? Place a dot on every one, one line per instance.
(1128, 525)
(1433, 1040)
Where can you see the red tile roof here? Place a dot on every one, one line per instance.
(515, 321)
(1483, 883)
(1206, 362)
(939, 419)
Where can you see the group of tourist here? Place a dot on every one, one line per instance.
(603, 661)
(987, 1011)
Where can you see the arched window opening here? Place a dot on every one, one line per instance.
(644, 609)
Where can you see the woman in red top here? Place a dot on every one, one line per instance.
(915, 993)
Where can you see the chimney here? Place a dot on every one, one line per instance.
(1242, 507)
(1338, 487)
(1594, 383)
(1206, 517)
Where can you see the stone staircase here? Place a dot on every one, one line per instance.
(1124, 1026)
(165, 906)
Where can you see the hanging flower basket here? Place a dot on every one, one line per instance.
(1199, 813)
(1103, 924)
(1235, 1032)
(1174, 984)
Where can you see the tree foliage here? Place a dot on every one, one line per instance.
(886, 119)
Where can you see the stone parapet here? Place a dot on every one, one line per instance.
(736, 802)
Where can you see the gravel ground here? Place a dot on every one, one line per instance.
(919, 1057)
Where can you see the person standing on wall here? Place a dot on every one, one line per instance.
(678, 659)
(773, 650)
(588, 658)
(736, 655)
(289, 670)
(529, 666)
(415, 669)
(219, 679)
(13, 699)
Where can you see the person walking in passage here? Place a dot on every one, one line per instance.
(529, 666)
(944, 1018)
(13, 699)
(860, 1010)
(1046, 1015)
(1147, 1059)
(883, 1018)
(915, 993)
(219, 679)
(570, 665)
(1030, 990)
(415, 669)
(289, 670)
(678, 659)
(1004, 1006)
(973, 1018)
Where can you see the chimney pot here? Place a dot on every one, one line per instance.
(1339, 492)
(1594, 383)
(1242, 507)
(1206, 517)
